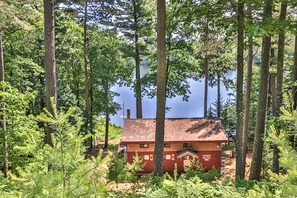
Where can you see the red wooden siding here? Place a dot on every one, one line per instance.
(208, 159)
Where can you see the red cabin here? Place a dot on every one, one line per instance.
(184, 139)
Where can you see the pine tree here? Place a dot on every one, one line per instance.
(3, 116)
(50, 60)
(262, 99)
(280, 76)
(133, 21)
(161, 87)
(239, 91)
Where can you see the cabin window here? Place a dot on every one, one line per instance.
(172, 157)
(187, 145)
(143, 145)
(146, 157)
(166, 145)
(168, 157)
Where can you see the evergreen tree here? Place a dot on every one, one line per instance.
(134, 21)
(109, 68)
(50, 60)
(246, 116)
(280, 76)
(3, 115)
(239, 91)
(262, 99)
(161, 87)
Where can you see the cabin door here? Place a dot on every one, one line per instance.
(187, 161)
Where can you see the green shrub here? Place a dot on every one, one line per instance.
(60, 170)
(189, 187)
(196, 169)
(209, 176)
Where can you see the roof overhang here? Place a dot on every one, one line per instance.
(171, 141)
(183, 153)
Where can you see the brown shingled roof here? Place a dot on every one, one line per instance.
(176, 129)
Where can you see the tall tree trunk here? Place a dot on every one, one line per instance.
(262, 100)
(91, 107)
(206, 71)
(206, 75)
(247, 100)
(161, 87)
(272, 83)
(137, 65)
(106, 128)
(3, 117)
(294, 89)
(106, 89)
(76, 81)
(41, 102)
(87, 91)
(219, 95)
(239, 91)
(280, 76)
(50, 60)
(271, 86)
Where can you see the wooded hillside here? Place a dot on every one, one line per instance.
(59, 61)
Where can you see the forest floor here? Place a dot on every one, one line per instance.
(228, 171)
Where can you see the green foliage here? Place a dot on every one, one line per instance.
(196, 169)
(228, 115)
(288, 156)
(117, 170)
(115, 132)
(210, 175)
(135, 167)
(190, 187)
(21, 128)
(61, 170)
(108, 68)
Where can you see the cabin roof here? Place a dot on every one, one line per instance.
(176, 130)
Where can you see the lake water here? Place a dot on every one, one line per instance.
(179, 108)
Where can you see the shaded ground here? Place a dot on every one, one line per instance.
(228, 171)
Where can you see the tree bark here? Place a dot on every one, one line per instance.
(50, 60)
(247, 100)
(3, 117)
(106, 128)
(262, 100)
(280, 76)
(219, 95)
(91, 107)
(294, 89)
(271, 98)
(161, 87)
(239, 91)
(106, 89)
(137, 66)
(206, 72)
(206, 75)
(272, 93)
(87, 91)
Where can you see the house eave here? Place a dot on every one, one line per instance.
(173, 141)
